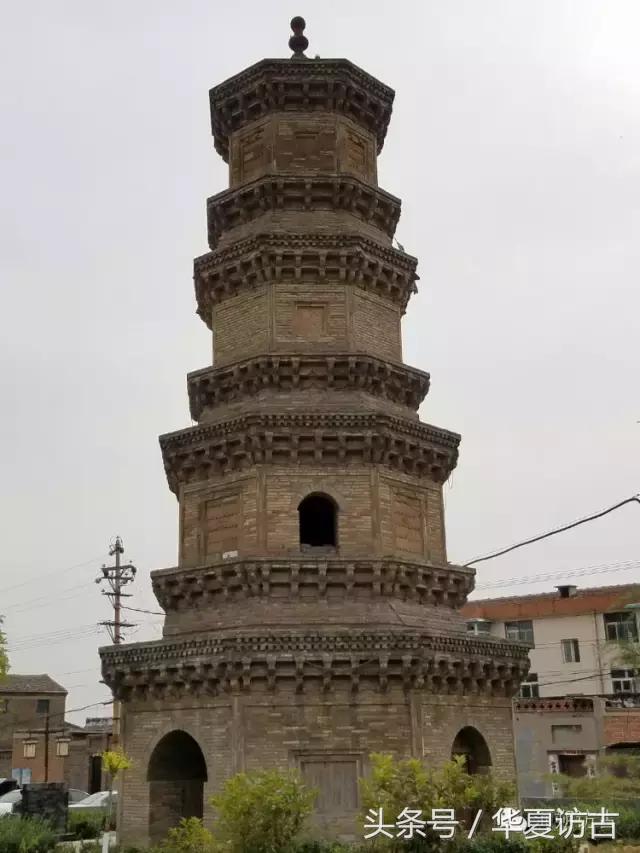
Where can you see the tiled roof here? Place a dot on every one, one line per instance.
(598, 599)
(30, 684)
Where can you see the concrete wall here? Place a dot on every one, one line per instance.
(542, 735)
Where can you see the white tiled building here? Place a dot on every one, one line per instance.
(572, 633)
(578, 702)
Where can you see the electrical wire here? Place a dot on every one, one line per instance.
(56, 572)
(555, 531)
(138, 610)
(602, 569)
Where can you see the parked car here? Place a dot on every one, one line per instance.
(98, 802)
(76, 795)
(9, 800)
(7, 785)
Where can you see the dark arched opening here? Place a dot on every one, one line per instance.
(176, 774)
(318, 519)
(470, 744)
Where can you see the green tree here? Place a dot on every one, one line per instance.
(394, 785)
(262, 812)
(614, 777)
(627, 652)
(4, 657)
(114, 761)
(615, 784)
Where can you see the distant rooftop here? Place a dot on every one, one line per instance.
(597, 599)
(98, 724)
(43, 683)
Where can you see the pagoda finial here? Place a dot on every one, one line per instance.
(298, 41)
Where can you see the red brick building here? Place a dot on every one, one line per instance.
(38, 745)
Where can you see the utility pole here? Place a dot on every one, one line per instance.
(48, 731)
(117, 577)
(46, 746)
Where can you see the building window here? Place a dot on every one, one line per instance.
(481, 627)
(522, 631)
(62, 748)
(622, 680)
(570, 651)
(42, 706)
(318, 522)
(4, 706)
(29, 749)
(621, 626)
(529, 689)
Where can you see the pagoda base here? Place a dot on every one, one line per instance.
(327, 737)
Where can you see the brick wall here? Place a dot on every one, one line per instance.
(241, 326)
(257, 513)
(622, 726)
(251, 732)
(307, 317)
(375, 326)
(312, 144)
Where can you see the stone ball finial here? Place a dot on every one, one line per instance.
(298, 41)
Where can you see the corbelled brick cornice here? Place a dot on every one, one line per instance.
(233, 580)
(209, 664)
(302, 193)
(214, 386)
(292, 258)
(197, 453)
(274, 85)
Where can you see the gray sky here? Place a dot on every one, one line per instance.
(515, 147)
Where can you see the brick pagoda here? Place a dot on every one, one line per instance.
(312, 618)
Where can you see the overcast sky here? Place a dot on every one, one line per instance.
(515, 147)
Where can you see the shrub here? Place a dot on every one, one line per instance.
(189, 836)
(262, 812)
(628, 824)
(26, 835)
(85, 825)
(396, 785)
(315, 846)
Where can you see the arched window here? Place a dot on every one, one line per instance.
(318, 518)
(176, 774)
(470, 744)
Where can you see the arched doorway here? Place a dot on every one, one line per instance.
(318, 521)
(470, 744)
(176, 775)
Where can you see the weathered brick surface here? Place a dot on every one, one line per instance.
(252, 732)
(308, 317)
(317, 143)
(398, 516)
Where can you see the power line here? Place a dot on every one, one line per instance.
(63, 714)
(150, 612)
(40, 640)
(601, 569)
(56, 572)
(633, 499)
